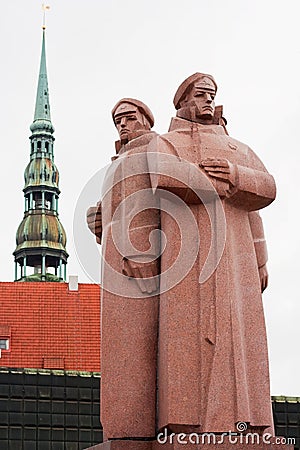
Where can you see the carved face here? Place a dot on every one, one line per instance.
(202, 96)
(129, 119)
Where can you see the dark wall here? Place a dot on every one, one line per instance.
(57, 410)
(286, 413)
(48, 410)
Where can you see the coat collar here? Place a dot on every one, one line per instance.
(178, 124)
(137, 139)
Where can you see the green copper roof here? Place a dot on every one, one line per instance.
(37, 277)
(41, 230)
(41, 172)
(42, 117)
(41, 238)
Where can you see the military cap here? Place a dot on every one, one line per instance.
(186, 85)
(140, 105)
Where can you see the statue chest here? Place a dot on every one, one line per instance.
(196, 147)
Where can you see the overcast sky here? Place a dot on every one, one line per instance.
(99, 51)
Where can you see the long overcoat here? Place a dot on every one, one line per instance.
(128, 315)
(212, 348)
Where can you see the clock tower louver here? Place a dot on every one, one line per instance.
(41, 238)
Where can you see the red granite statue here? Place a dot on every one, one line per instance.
(183, 353)
(128, 324)
(212, 354)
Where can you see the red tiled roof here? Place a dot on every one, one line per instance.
(49, 326)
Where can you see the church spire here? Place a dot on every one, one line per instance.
(42, 116)
(41, 238)
(42, 106)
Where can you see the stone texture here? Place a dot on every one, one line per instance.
(211, 374)
(191, 356)
(128, 322)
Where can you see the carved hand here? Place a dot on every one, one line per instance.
(263, 276)
(221, 169)
(93, 218)
(143, 273)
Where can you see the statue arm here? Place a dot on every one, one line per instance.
(94, 221)
(169, 172)
(255, 189)
(260, 246)
(141, 220)
(143, 263)
(141, 258)
(250, 186)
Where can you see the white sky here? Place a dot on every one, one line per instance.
(99, 51)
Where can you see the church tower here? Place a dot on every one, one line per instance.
(40, 254)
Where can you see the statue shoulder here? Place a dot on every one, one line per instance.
(165, 143)
(246, 155)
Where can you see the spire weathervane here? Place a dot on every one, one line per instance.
(45, 8)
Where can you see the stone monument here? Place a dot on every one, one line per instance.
(184, 351)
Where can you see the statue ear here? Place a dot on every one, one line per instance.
(146, 123)
(187, 112)
(218, 114)
(218, 117)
